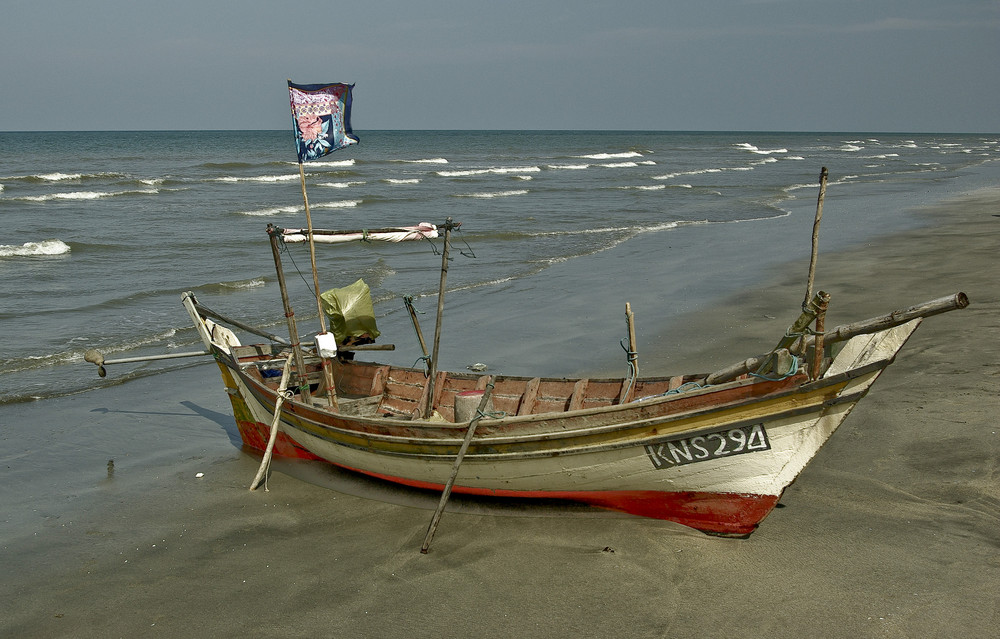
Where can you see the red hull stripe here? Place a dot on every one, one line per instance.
(255, 435)
(715, 513)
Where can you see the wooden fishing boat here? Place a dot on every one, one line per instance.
(710, 451)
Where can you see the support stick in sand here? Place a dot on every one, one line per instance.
(458, 462)
(275, 425)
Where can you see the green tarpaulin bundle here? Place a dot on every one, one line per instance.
(350, 311)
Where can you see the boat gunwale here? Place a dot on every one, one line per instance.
(266, 395)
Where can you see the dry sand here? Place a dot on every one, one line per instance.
(892, 531)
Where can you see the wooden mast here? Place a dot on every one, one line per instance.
(432, 373)
(293, 333)
(331, 390)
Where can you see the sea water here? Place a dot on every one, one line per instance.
(103, 232)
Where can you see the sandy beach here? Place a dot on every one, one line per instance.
(892, 531)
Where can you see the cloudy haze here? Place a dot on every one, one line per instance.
(791, 65)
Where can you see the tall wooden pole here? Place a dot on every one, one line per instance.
(815, 237)
(293, 331)
(331, 390)
(437, 325)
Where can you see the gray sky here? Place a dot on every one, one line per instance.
(787, 65)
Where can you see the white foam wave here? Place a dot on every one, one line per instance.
(341, 185)
(341, 204)
(32, 249)
(501, 170)
(241, 284)
(258, 178)
(611, 156)
(568, 167)
(654, 187)
(670, 176)
(753, 149)
(401, 181)
(850, 148)
(83, 195)
(619, 165)
(278, 210)
(334, 163)
(495, 194)
(426, 161)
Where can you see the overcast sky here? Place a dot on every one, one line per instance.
(785, 65)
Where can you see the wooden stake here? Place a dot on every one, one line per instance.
(814, 370)
(275, 425)
(815, 237)
(458, 462)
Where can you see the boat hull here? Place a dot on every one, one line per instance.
(716, 460)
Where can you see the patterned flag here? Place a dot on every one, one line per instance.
(321, 114)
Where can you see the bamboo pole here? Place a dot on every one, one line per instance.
(432, 372)
(331, 389)
(446, 493)
(815, 237)
(293, 331)
(275, 425)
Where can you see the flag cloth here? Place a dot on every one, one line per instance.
(321, 114)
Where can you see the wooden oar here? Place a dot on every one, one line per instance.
(458, 462)
(275, 424)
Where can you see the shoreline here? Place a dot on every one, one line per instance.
(891, 531)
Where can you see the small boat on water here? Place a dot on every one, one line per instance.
(710, 451)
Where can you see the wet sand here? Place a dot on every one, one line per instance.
(892, 531)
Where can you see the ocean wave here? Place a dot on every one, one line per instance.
(494, 194)
(82, 195)
(850, 148)
(333, 163)
(34, 362)
(401, 181)
(341, 185)
(611, 156)
(670, 176)
(255, 282)
(278, 210)
(753, 149)
(647, 187)
(340, 204)
(35, 249)
(619, 165)
(258, 178)
(568, 167)
(58, 176)
(499, 170)
(425, 161)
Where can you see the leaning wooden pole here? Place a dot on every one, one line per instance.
(446, 493)
(408, 302)
(331, 389)
(275, 425)
(815, 237)
(429, 407)
(293, 332)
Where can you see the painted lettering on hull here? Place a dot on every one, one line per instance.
(699, 448)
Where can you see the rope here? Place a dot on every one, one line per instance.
(791, 371)
(633, 371)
